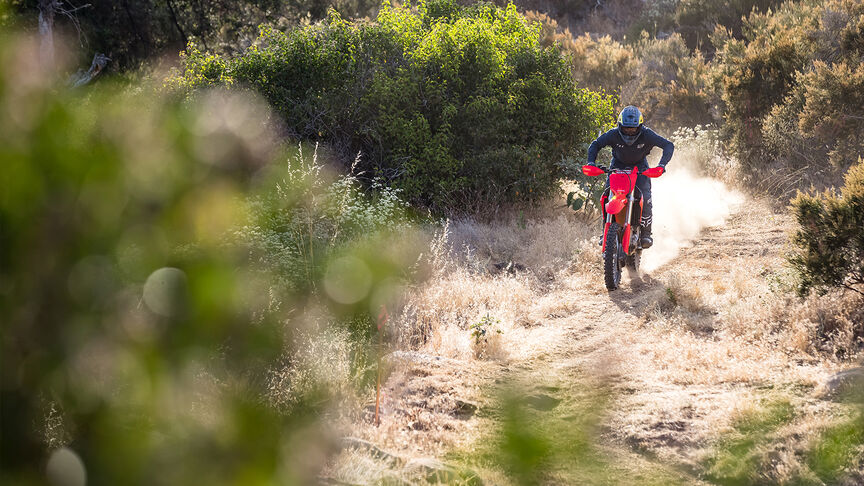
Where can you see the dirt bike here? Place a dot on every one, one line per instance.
(622, 246)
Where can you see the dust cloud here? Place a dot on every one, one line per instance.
(684, 203)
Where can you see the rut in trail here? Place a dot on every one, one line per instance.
(647, 377)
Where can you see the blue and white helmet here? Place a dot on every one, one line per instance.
(630, 124)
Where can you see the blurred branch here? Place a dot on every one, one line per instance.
(100, 61)
(47, 8)
(70, 13)
(176, 22)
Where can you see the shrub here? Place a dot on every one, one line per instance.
(670, 84)
(792, 89)
(830, 238)
(304, 217)
(134, 313)
(755, 76)
(656, 17)
(458, 107)
(833, 110)
(697, 19)
(668, 81)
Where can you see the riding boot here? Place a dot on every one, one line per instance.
(647, 241)
(645, 222)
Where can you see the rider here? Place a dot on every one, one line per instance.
(631, 142)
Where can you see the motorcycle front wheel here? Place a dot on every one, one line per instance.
(612, 258)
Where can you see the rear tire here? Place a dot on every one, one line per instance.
(612, 258)
(632, 263)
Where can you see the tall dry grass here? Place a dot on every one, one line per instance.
(500, 270)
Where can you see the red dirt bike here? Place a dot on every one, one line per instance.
(622, 246)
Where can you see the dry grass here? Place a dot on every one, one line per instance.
(504, 270)
(688, 349)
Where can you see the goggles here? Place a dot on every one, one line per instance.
(629, 130)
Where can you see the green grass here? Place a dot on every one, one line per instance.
(739, 455)
(838, 449)
(744, 456)
(526, 444)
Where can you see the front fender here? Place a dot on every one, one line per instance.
(616, 204)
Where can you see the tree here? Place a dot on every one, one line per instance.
(133, 31)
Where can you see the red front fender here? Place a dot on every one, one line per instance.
(616, 204)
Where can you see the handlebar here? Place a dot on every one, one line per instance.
(596, 170)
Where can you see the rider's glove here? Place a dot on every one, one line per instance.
(662, 169)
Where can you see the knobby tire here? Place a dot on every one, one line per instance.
(611, 261)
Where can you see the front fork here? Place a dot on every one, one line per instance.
(627, 225)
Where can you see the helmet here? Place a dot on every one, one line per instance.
(630, 124)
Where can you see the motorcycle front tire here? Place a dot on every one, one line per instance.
(612, 258)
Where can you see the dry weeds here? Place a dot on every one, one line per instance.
(687, 349)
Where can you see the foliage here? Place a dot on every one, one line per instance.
(139, 331)
(830, 237)
(696, 20)
(656, 17)
(597, 62)
(601, 64)
(132, 32)
(305, 216)
(486, 325)
(459, 107)
(792, 88)
(666, 79)
(816, 125)
(670, 84)
(588, 189)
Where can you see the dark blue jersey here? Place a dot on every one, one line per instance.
(630, 155)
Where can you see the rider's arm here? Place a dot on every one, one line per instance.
(596, 145)
(658, 141)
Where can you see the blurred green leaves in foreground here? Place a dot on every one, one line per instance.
(553, 434)
(533, 433)
(168, 272)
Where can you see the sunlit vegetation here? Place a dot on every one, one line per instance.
(164, 266)
(459, 107)
(217, 275)
(830, 240)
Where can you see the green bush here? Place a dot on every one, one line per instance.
(459, 107)
(830, 238)
(755, 76)
(162, 267)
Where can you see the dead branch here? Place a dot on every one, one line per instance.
(100, 61)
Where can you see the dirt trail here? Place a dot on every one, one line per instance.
(646, 360)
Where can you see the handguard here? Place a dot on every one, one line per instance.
(592, 170)
(654, 171)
